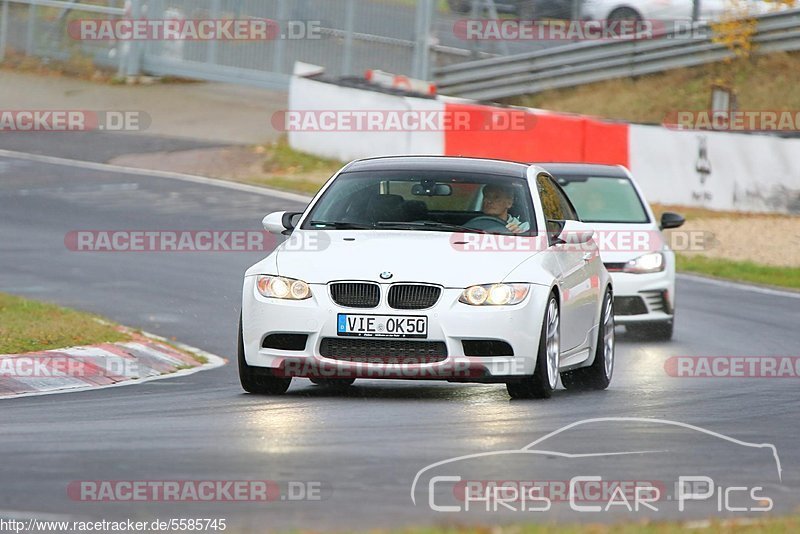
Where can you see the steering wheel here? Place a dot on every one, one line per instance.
(487, 222)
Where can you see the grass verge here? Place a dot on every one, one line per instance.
(28, 325)
(291, 170)
(740, 271)
(747, 526)
(759, 84)
(693, 213)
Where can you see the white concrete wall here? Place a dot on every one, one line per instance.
(748, 172)
(305, 94)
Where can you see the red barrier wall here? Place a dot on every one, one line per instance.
(548, 138)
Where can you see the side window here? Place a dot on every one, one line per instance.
(555, 205)
(566, 206)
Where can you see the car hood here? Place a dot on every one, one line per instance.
(621, 242)
(410, 256)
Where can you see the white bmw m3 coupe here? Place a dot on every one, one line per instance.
(419, 267)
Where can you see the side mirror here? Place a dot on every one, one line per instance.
(671, 220)
(281, 222)
(575, 233)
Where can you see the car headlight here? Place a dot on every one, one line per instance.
(494, 294)
(278, 287)
(649, 263)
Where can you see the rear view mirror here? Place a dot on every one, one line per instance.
(431, 189)
(671, 220)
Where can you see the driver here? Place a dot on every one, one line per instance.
(497, 200)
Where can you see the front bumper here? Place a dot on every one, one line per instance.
(449, 322)
(641, 298)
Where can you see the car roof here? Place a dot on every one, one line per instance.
(614, 171)
(439, 163)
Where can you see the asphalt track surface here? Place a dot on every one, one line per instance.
(365, 445)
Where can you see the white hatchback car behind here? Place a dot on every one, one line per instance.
(632, 246)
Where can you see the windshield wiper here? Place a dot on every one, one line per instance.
(342, 225)
(433, 225)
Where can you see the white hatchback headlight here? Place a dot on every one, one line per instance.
(649, 263)
(278, 287)
(495, 294)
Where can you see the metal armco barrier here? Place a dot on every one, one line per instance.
(587, 62)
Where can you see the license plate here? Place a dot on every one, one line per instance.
(382, 325)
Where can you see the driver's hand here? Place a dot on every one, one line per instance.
(516, 226)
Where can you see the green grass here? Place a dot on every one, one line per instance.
(742, 271)
(309, 187)
(759, 84)
(746, 526)
(28, 325)
(291, 170)
(281, 158)
(693, 213)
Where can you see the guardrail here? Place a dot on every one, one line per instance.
(587, 62)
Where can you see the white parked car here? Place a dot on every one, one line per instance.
(631, 243)
(671, 10)
(430, 268)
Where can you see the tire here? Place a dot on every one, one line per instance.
(259, 380)
(333, 382)
(625, 13)
(598, 375)
(653, 331)
(545, 376)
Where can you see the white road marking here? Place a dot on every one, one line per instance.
(90, 165)
(740, 285)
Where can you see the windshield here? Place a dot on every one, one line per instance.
(425, 201)
(604, 199)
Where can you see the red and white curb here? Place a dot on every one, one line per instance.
(144, 358)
